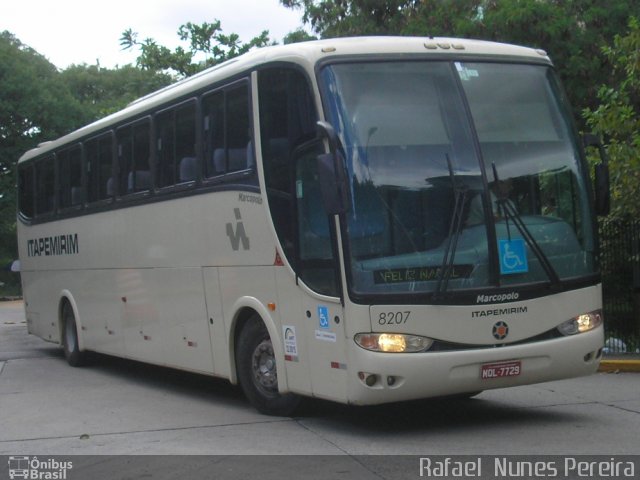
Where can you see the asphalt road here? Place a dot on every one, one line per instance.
(118, 407)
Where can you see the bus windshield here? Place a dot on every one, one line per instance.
(462, 176)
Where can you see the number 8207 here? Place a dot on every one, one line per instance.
(393, 318)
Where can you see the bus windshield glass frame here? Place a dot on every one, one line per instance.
(463, 176)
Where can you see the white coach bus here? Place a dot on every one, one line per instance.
(363, 220)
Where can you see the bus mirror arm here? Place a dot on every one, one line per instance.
(332, 174)
(601, 175)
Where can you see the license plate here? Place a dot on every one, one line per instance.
(502, 369)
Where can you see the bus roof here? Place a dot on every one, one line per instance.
(306, 54)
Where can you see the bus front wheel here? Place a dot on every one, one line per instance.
(257, 373)
(70, 344)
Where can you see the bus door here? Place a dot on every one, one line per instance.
(318, 269)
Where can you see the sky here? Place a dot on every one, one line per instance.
(81, 31)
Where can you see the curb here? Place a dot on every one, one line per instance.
(616, 366)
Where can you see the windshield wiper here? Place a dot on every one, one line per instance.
(510, 213)
(460, 197)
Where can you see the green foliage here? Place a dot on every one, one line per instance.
(617, 121)
(297, 36)
(101, 91)
(35, 105)
(340, 18)
(208, 46)
(38, 103)
(571, 31)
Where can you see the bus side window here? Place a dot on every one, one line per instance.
(45, 186)
(227, 131)
(99, 160)
(287, 119)
(287, 127)
(213, 111)
(134, 172)
(175, 145)
(70, 185)
(238, 128)
(27, 192)
(315, 250)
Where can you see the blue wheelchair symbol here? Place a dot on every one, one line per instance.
(323, 316)
(513, 256)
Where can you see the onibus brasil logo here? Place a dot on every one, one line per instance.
(33, 468)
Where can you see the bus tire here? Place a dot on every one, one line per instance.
(257, 374)
(70, 344)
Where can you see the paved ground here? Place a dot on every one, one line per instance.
(120, 407)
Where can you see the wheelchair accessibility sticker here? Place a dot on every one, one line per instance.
(513, 256)
(323, 316)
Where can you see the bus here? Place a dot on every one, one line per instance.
(363, 220)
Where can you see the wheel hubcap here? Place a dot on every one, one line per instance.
(264, 367)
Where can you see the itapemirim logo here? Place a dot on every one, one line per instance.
(35, 469)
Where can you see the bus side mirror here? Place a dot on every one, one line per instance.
(332, 174)
(602, 188)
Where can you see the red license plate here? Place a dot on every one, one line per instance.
(502, 369)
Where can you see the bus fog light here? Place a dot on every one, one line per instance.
(581, 323)
(370, 379)
(393, 342)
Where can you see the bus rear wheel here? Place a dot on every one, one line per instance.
(257, 372)
(70, 344)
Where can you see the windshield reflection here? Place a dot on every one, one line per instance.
(444, 202)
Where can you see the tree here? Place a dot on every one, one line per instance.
(101, 91)
(297, 36)
(35, 105)
(571, 31)
(208, 46)
(617, 121)
(38, 103)
(340, 18)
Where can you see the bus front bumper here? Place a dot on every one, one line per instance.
(390, 377)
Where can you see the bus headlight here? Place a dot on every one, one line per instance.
(393, 342)
(581, 323)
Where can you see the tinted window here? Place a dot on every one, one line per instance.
(25, 187)
(288, 121)
(99, 158)
(176, 139)
(70, 169)
(134, 172)
(45, 186)
(227, 131)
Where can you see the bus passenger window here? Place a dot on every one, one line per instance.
(213, 111)
(99, 159)
(45, 186)
(70, 167)
(227, 131)
(176, 141)
(25, 189)
(238, 129)
(133, 158)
